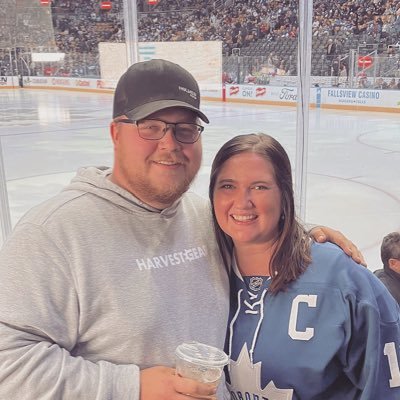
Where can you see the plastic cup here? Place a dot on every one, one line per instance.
(200, 362)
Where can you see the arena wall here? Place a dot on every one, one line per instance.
(334, 97)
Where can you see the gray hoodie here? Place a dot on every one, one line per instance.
(95, 285)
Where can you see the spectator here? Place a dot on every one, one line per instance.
(305, 321)
(390, 255)
(331, 49)
(380, 83)
(250, 79)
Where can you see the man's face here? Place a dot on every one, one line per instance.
(157, 172)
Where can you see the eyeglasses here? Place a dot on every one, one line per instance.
(155, 129)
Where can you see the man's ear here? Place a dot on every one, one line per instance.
(394, 265)
(114, 131)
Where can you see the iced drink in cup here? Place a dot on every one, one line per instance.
(200, 362)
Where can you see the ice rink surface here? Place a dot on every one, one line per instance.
(353, 181)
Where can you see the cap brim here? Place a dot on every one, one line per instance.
(147, 109)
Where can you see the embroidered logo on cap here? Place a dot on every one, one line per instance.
(192, 93)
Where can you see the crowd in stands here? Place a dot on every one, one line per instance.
(5, 25)
(167, 5)
(80, 26)
(236, 25)
(5, 60)
(244, 21)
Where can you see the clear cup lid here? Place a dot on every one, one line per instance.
(202, 354)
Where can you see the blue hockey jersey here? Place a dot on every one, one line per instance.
(334, 333)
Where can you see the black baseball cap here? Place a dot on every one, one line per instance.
(150, 86)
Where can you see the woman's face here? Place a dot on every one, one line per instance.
(247, 200)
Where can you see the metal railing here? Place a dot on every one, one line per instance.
(346, 70)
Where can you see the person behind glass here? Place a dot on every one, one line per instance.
(390, 255)
(100, 284)
(331, 51)
(305, 321)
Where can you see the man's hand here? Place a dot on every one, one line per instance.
(161, 383)
(323, 234)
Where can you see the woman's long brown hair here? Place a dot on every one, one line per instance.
(292, 251)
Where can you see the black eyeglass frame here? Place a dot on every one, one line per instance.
(167, 125)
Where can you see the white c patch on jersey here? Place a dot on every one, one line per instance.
(308, 333)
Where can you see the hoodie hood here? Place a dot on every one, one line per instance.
(95, 180)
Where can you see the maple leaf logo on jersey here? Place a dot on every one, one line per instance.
(246, 377)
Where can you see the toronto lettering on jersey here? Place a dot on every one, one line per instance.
(252, 396)
(247, 396)
(172, 259)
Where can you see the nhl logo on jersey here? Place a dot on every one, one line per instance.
(255, 283)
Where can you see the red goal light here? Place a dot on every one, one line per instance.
(45, 2)
(365, 61)
(105, 5)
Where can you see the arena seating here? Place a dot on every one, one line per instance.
(263, 30)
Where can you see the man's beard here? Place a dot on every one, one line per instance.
(165, 195)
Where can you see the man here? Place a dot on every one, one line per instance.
(331, 52)
(331, 49)
(101, 283)
(390, 255)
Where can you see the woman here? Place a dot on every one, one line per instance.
(306, 322)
